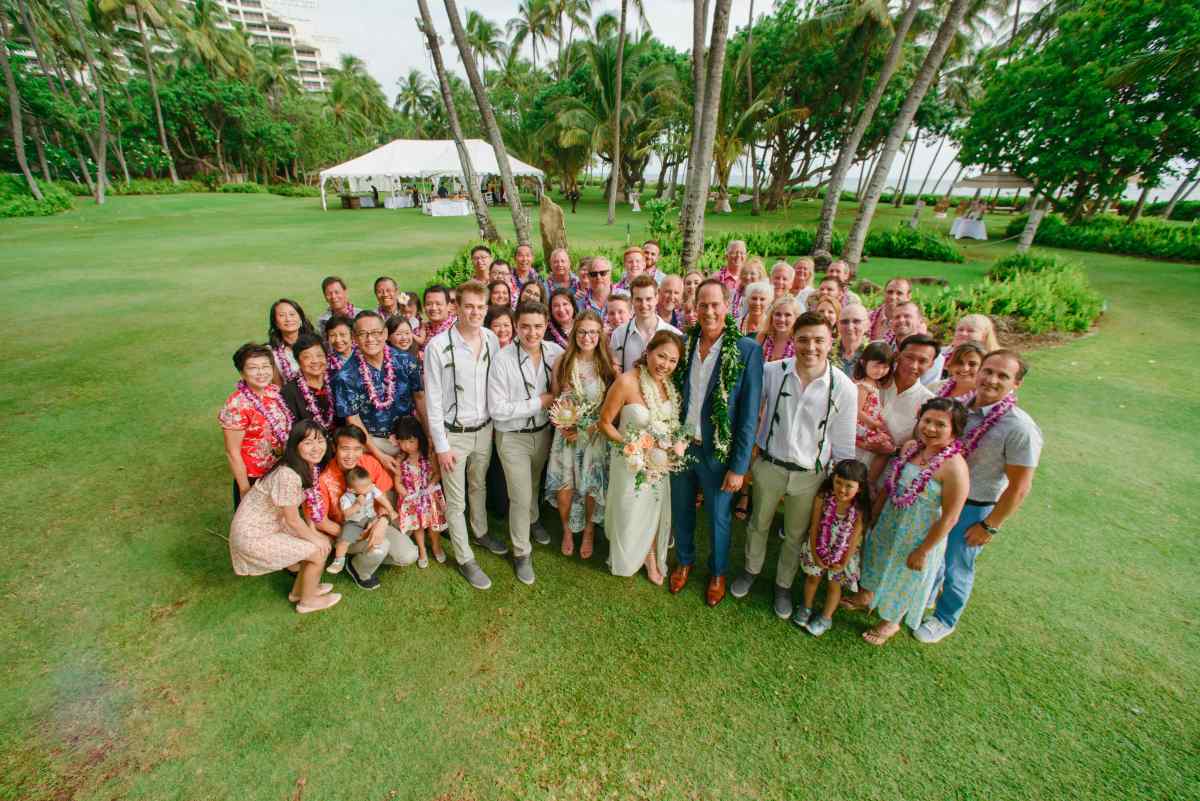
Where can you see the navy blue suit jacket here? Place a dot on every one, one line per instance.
(743, 405)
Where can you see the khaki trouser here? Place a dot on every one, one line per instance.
(397, 548)
(472, 453)
(385, 445)
(523, 455)
(796, 489)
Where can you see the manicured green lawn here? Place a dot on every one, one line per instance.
(136, 665)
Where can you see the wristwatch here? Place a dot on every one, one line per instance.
(991, 530)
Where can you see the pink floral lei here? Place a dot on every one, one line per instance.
(970, 440)
(833, 537)
(314, 504)
(432, 330)
(310, 403)
(908, 497)
(876, 315)
(279, 424)
(285, 367)
(389, 382)
(789, 350)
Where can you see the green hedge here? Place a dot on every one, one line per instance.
(1151, 238)
(294, 190)
(1024, 263)
(139, 186)
(248, 188)
(16, 201)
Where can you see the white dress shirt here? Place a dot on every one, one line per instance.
(899, 410)
(815, 423)
(456, 382)
(699, 377)
(517, 384)
(934, 373)
(628, 344)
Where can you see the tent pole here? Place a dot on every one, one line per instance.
(324, 206)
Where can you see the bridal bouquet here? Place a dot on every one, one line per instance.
(655, 450)
(574, 412)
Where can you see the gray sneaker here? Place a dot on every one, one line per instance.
(474, 575)
(490, 543)
(524, 568)
(818, 625)
(740, 586)
(802, 616)
(539, 533)
(783, 602)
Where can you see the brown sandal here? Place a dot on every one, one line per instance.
(876, 637)
(585, 547)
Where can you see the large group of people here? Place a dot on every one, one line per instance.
(358, 441)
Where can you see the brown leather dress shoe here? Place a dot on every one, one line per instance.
(716, 590)
(679, 577)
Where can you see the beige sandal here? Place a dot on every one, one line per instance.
(322, 589)
(877, 638)
(319, 603)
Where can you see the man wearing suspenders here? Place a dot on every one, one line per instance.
(458, 364)
(628, 341)
(809, 409)
(519, 397)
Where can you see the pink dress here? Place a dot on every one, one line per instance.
(422, 503)
(864, 437)
(259, 540)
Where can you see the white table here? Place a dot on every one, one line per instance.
(971, 229)
(444, 207)
(398, 202)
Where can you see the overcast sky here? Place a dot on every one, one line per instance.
(384, 34)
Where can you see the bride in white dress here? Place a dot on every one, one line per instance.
(638, 521)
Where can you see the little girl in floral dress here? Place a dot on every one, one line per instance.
(839, 514)
(872, 372)
(422, 504)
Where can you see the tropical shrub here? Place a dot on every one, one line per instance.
(16, 201)
(294, 190)
(904, 242)
(1151, 238)
(1032, 262)
(248, 188)
(664, 219)
(139, 186)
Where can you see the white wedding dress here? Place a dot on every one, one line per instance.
(633, 517)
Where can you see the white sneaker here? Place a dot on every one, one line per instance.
(932, 630)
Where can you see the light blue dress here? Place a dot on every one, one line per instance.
(900, 593)
(582, 466)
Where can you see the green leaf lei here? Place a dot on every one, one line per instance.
(731, 366)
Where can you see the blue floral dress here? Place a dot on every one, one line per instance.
(582, 466)
(901, 593)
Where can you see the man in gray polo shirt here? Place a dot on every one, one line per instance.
(1002, 467)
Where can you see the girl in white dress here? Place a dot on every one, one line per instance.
(638, 520)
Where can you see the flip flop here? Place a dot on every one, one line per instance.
(875, 638)
(322, 589)
(319, 603)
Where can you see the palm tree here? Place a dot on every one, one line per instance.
(928, 71)
(415, 95)
(708, 95)
(520, 221)
(14, 110)
(615, 175)
(532, 22)
(849, 147)
(275, 73)
(487, 229)
(101, 146)
(485, 40)
(153, 13)
(737, 116)
(204, 40)
(576, 13)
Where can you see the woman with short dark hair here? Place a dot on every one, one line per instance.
(308, 396)
(285, 322)
(255, 419)
(268, 532)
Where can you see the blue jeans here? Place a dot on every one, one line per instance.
(718, 506)
(957, 573)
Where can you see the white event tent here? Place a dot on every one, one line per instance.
(400, 160)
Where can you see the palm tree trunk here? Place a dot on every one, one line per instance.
(1136, 211)
(14, 112)
(957, 175)
(520, 221)
(616, 123)
(932, 161)
(929, 68)
(906, 168)
(1181, 192)
(39, 143)
(853, 139)
(699, 29)
(119, 152)
(102, 144)
(756, 203)
(483, 218)
(698, 171)
(158, 115)
(942, 177)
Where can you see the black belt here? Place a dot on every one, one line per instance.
(533, 430)
(970, 502)
(795, 468)
(454, 428)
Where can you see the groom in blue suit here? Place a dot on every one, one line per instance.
(721, 456)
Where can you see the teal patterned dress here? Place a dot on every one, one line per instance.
(900, 593)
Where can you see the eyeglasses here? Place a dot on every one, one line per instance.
(599, 273)
(586, 332)
(376, 334)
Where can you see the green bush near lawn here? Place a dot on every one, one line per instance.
(139, 186)
(16, 201)
(294, 190)
(248, 188)
(1152, 238)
